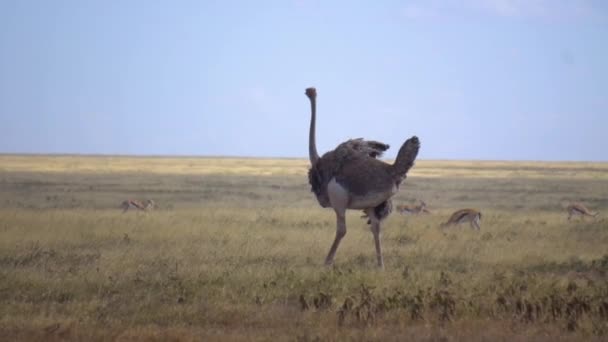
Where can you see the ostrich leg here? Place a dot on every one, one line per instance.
(376, 232)
(338, 198)
(375, 228)
(340, 232)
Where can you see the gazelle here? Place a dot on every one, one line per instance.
(134, 204)
(472, 216)
(406, 209)
(579, 209)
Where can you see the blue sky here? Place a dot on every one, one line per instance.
(474, 79)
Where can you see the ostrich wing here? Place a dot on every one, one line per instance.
(371, 148)
(332, 162)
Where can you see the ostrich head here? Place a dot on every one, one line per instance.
(311, 93)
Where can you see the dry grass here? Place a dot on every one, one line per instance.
(238, 255)
(287, 167)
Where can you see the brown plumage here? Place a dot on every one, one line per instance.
(350, 177)
(579, 209)
(472, 216)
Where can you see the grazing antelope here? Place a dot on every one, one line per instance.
(579, 209)
(406, 209)
(134, 204)
(472, 216)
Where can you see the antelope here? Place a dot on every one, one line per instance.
(579, 209)
(472, 216)
(134, 204)
(406, 209)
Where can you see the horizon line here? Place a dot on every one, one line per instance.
(186, 156)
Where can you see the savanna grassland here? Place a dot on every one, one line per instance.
(235, 250)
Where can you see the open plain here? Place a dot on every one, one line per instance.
(234, 250)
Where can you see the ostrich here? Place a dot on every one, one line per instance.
(350, 177)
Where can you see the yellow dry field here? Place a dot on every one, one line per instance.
(235, 249)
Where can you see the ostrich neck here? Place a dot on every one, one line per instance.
(312, 145)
